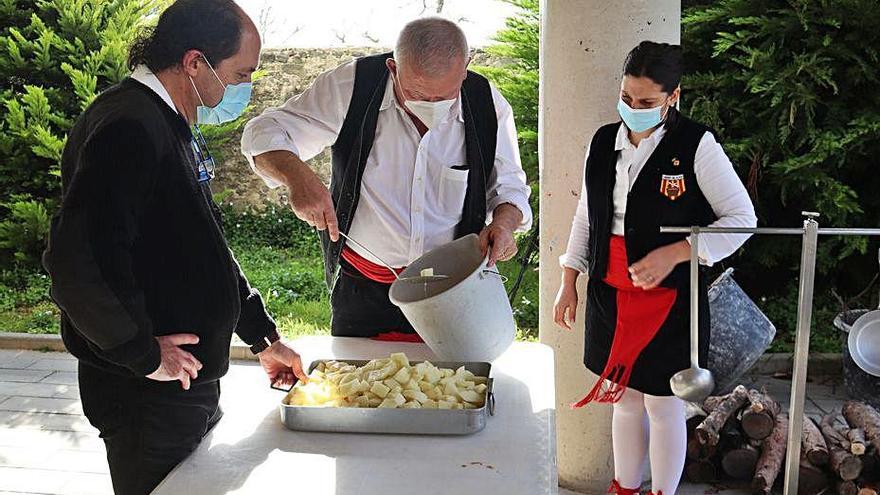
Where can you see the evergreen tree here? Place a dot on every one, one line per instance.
(791, 86)
(517, 78)
(55, 57)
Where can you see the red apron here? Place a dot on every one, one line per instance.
(640, 314)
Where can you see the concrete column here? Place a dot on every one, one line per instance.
(583, 44)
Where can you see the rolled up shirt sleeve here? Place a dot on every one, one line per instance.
(89, 255)
(507, 182)
(728, 198)
(575, 256)
(304, 125)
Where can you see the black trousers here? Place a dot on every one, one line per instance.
(147, 427)
(361, 307)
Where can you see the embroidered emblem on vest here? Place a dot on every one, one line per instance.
(672, 186)
(675, 162)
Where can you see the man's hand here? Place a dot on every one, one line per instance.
(282, 364)
(497, 238)
(309, 198)
(650, 271)
(177, 364)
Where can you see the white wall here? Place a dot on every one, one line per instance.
(583, 46)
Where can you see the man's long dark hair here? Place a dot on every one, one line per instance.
(661, 63)
(211, 26)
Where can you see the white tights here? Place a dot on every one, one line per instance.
(634, 417)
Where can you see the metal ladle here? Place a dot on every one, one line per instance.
(694, 384)
(418, 279)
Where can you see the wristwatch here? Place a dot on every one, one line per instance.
(265, 342)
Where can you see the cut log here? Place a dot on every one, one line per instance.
(812, 480)
(856, 436)
(708, 431)
(847, 488)
(703, 471)
(772, 456)
(740, 463)
(759, 417)
(834, 431)
(868, 491)
(695, 450)
(843, 431)
(731, 435)
(864, 417)
(711, 403)
(814, 443)
(843, 463)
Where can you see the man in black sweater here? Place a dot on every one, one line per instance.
(149, 291)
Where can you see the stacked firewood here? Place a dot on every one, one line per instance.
(743, 436)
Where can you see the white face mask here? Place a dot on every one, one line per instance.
(431, 113)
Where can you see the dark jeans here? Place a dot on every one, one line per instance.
(361, 307)
(147, 427)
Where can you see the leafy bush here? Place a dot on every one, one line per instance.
(272, 226)
(23, 232)
(791, 87)
(517, 79)
(55, 57)
(24, 302)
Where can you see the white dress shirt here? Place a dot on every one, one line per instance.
(411, 198)
(717, 180)
(143, 75)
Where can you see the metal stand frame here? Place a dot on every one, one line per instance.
(809, 233)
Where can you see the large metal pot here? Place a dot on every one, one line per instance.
(859, 384)
(740, 332)
(464, 316)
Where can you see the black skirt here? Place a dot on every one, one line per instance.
(667, 354)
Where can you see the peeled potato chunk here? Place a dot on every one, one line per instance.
(380, 389)
(471, 396)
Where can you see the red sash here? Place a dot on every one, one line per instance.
(374, 272)
(640, 314)
(381, 274)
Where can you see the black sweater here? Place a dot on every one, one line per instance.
(137, 249)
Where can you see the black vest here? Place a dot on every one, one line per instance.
(355, 140)
(668, 173)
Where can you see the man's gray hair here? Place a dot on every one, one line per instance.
(431, 45)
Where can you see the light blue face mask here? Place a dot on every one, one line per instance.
(642, 119)
(235, 99)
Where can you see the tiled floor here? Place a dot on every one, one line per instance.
(48, 447)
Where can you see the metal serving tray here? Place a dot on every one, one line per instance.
(398, 421)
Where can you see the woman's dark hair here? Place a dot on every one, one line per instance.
(211, 26)
(660, 62)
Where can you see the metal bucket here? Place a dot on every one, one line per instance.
(859, 385)
(465, 316)
(741, 333)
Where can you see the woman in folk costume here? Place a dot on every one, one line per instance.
(655, 168)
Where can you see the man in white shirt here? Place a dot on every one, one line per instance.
(424, 151)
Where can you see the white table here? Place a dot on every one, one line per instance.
(250, 451)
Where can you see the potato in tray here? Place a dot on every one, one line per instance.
(389, 383)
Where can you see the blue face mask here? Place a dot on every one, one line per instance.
(642, 119)
(235, 99)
